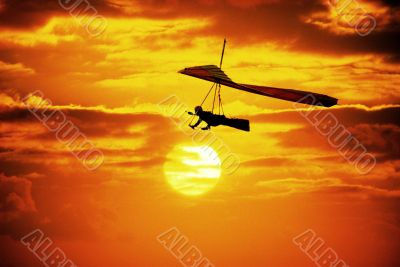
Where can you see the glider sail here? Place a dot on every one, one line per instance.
(214, 74)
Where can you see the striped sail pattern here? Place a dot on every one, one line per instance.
(214, 74)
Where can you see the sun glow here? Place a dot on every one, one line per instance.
(192, 170)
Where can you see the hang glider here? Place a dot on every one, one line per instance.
(218, 77)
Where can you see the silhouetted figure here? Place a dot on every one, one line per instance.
(214, 120)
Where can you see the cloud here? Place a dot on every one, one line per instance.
(269, 161)
(10, 72)
(361, 192)
(297, 161)
(29, 13)
(285, 187)
(15, 198)
(300, 160)
(126, 137)
(14, 70)
(288, 169)
(379, 138)
(346, 114)
(18, 211)
(376, 129)
(121, 72)
(279, 22)
(342, 186)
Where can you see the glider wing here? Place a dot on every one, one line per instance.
(214, 74)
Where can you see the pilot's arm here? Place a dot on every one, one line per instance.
(196, 124)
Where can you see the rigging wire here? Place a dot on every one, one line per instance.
(201, 105)
(221, 107)
(215, 94)
(209, 91)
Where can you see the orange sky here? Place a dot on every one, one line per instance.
(109, 86)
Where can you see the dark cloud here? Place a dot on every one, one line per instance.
(346, 115)
(269, 162)
(93, 122)
(243, 22)
(359, 191)
(25, 13)
(8, 114)
(30, 13)
(280, 22)
(18, 210)
(15, 198)
(378, 130)
(390, 3)
(151, 136)
(379, 138)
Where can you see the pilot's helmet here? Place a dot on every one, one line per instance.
(198, 109)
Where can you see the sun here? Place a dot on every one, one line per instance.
(192, 170)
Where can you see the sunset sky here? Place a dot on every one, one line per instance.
(114, 81)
